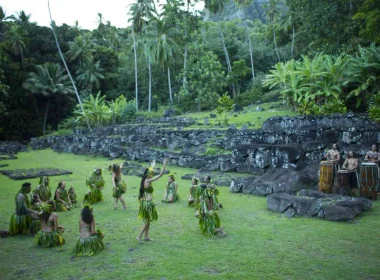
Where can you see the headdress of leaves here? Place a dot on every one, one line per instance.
(151, 167)
(196, 179)
(46, 207)
(87, 205)
(172, 176)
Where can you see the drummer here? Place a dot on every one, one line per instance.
(333, 155)
(351, 164)
(373, 155)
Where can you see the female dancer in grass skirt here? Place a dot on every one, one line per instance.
(193, 189)
(96, 184)
(50, 234)
(61, 197)
(171, 192)
(119, 186)
(36, 223)
(90, 241)
(22, 218)
(43, 189)
(148, 211)
(209, 221)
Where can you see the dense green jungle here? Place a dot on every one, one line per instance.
(316, 57)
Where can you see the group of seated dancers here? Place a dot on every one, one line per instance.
(36, 211)
(350, 178)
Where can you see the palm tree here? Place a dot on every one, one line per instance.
(4, 18)
(48, 81)
(272, 12)
(76, 27)
(162, 47)
(140, 12)
(81, 49)
(89, 75)
(52, 23)
(22, 18)
(15, 40)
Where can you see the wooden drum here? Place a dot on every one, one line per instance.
(343, 182)
(326, 176)
(368, 180)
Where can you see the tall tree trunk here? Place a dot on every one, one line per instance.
(293, 37)
(36, 108)
(229, 68)
(170, 87)
(45, 117)
(250, 49)
(136, 86)
(275, 44)
(67, 68)
(150, 85)
(184, 81)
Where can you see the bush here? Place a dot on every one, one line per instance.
(248, 97)
(129, 112)
(308, 108)
(336, 106)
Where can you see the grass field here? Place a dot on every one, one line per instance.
(259, 244)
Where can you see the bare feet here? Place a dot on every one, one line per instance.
(148, 239)
(139, 240)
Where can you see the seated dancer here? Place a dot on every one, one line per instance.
(351, 164)
(90, 240)
(73, 197)
(22, 218)
(119, 186)
(36, 223)
(209, 221)
(148, 211)
(193, 188)
(333, 155)
(171, 192)
(61, 198)
(96, 184)
(43, 189)
(213, 191)
(50, 234)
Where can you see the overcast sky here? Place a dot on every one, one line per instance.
(68, 11)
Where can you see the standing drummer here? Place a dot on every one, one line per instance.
(333, 155)
(351, 164)
(373, 155)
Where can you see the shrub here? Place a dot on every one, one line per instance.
(336, 106)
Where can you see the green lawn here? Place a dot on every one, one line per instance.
(259, 244)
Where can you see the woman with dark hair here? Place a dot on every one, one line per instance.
(43, 189)
(119, 186)
(209, 221)
(193, 188)
(36, 223)
(91, 240)
(148, 211)
(95, 184)
(21, 219)
(50, 234)
(61, 198)
(171, 192)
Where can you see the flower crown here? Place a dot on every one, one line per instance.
(151, 168)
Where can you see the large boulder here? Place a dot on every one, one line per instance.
(338, 213)
(306, 206)
(280, 202)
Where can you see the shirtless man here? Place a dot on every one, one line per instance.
(373, 155)
(333, 155)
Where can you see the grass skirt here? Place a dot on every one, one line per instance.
(170, 197)
(148, 211)
(89, 246)
(19, 224)
(35, 226)
(49, 239)
(60, 207)
(208, 222)
(93, 196)
(121, 187)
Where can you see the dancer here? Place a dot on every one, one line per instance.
(96, 184)
(148, 211)
(73, 197)
(193, 188)
(36, 223)
(208, 217)
(214, 192)
(50, 234)
(171, 192)
(21, 219)
(119, 186)
(43, 189)
(91, 240)
(61, 197)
